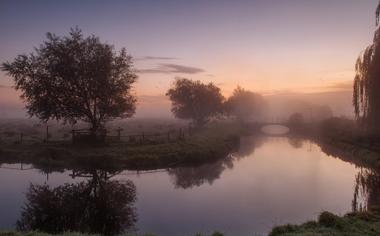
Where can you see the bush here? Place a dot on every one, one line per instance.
(216, 233)
(330, 220)
(279, 230)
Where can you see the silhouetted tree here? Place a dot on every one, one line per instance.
(366, 96)
(75, 78)
(296, 119)
(244, 104)
(195, 100)
(98, 206)
(320, 113)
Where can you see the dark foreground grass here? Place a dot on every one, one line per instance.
(209, 144)
(328, 224)
(13, 233)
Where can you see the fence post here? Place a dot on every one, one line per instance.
(119, 134)
(72, 135)
(47, 133)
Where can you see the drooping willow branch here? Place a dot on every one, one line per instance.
(366, 94)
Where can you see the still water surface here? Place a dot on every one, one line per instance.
(269, 181)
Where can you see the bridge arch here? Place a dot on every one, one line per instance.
(275, 129)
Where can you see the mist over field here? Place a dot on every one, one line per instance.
(279, 105)
(189, 118)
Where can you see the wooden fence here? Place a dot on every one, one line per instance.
(109, 136)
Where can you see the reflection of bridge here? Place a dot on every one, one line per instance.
(271, 128)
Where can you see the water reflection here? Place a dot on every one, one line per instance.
(188, 177)
(296, 142)
(248, 145)
(245, 193)
(98, 205)
(367, 190)
(195, 176)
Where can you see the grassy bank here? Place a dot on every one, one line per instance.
(211, 143)
(343, 138)
(350, 151)
(328, 224)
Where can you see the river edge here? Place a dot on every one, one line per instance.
(361, 223)
(210, 144)
(222, 142)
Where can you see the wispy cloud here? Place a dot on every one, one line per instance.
(155, 58)
(166, 68)
(347, 85)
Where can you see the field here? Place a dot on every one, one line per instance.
(210, 143)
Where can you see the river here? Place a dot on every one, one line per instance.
(269, 181)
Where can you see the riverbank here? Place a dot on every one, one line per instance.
(328, 224)
(211, 143)
(352, 147)
(343, 138)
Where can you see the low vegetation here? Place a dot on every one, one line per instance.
(328, 224)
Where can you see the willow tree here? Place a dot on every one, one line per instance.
(366, 96)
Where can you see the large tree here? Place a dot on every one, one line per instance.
(366, 96)
(75, 78)
(195, 100)
(244, 104)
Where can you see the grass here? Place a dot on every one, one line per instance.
(212, 143)
(328, 224)
(13, 233)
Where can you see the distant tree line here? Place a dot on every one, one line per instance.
(201, 102)
(76, 78)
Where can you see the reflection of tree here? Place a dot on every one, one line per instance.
(188, 177)
(296, 142)
(99, 206)
(367, 190)
(248, 145)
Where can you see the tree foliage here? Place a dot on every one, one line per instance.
(244, 104)
(366, 96)
(75, 78)
(195, 100)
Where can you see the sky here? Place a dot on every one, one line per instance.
(268, 46)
